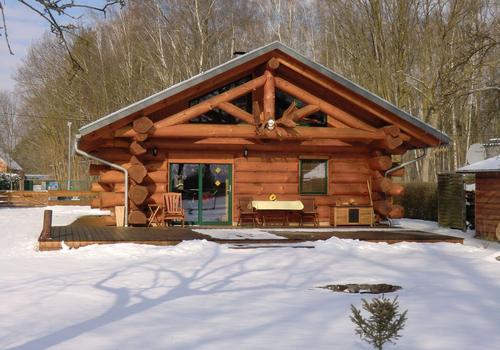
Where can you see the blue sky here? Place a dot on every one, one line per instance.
(24, 27)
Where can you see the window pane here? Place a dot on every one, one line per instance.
(313, 176)
(284, 100)
(217, 116)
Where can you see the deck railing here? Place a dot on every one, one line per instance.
(44, 198)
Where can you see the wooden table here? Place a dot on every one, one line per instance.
(281, 210)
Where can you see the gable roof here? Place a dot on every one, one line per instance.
(237, 61)
(485, 166)
(11, 163)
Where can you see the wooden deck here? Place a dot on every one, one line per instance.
(78, 235)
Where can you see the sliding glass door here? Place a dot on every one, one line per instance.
(206, 192)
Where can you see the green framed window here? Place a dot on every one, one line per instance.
(313, 176)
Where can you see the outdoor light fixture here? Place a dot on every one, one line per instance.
(270, 124)
(245, 152)
(155, 151)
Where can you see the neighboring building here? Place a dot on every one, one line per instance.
(8, 165)
(487, 196)
(270, 123)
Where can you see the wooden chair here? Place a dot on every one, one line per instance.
(310, 212)
(246, 211)
(172, 208)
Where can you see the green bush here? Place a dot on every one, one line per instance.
(420, 201)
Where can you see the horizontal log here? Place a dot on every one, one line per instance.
(136, 217)
(266, 177)
(396, 190)
(111, 176)
(398, 173)
(392, 130)
(95, 169)
(388, 143)
(95, 203)
(142, 125)
(347, 189)
(137, 172)
(349, 177)
(160, 176)
(249, 131)
(382, 207)
(350, 167)
(397, 212)
(382, 184)
(111, 199)
(265, 188)
(152, 187)
(380, 163)
(100, 187)
(137, 149)
(138, 194)
(276, 166)
(109, 220)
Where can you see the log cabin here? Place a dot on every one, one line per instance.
(267, 123)
(487, 197)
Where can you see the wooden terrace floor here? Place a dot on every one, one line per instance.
(79, 235)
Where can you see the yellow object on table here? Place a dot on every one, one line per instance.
(277, 205)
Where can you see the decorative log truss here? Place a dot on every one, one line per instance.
(132, 145)
(342, 125)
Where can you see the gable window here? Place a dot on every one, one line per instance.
(313, 176)
(218, 116)
(284, 100)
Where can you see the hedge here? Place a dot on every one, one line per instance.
(420, 201)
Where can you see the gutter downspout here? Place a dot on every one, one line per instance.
(402, 165)
(112, 165)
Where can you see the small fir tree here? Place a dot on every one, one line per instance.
(384, 323)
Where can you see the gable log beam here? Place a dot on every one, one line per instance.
(236, 112)
(335, 112)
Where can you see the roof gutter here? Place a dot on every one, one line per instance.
(112, 165)
(402, 165)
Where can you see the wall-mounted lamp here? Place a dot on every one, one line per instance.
(245, 152)
(155, 151)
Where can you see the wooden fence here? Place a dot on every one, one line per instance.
(44, 198)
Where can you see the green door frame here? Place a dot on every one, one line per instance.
(200, 221)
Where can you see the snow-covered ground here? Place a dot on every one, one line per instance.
(200, 295)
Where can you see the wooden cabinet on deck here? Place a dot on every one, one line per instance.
(351, 215)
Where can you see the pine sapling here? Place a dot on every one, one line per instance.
(383, 324)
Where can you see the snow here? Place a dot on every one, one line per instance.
(202, 295)
(238, 234)
(490, 164)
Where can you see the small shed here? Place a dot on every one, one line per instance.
(487, 207)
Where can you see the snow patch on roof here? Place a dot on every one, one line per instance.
(488, 165)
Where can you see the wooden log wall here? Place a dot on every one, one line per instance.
(487, 205)
(258, 176)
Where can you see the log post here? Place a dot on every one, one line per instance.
(137, 217)
(269, 96)
(47, 225)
